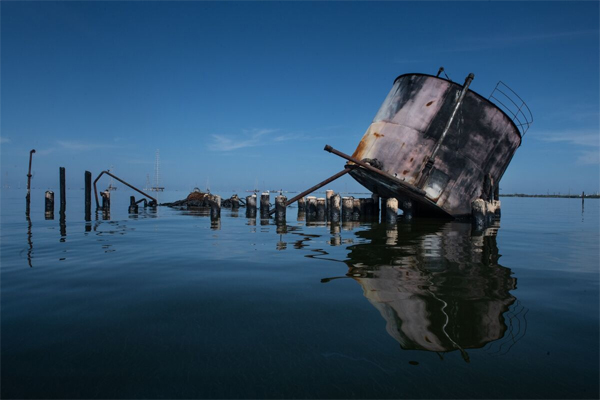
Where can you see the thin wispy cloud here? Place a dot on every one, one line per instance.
(589, 158)
(590, 140)
(502, 41)
(81, 146)
(4, 140)
(45, 152)
(250, 138)
(579, 138)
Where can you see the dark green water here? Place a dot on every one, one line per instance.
(167, 305)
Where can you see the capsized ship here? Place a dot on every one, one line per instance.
(441, 145)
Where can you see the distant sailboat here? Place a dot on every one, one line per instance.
(157, 187)
(111, 185)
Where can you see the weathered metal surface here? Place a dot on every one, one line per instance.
(480, 142)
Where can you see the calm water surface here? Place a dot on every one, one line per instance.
(165, 304)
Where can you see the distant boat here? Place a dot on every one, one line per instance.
(111, 185)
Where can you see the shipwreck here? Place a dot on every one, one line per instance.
(438, 147)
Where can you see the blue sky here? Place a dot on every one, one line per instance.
(245, 94)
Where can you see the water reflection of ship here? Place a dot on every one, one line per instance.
(439, 287)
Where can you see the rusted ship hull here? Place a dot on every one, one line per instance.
(444, 145)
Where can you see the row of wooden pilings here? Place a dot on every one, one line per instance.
(333, 207)
(104, 207)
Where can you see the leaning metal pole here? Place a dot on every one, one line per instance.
(124, 183)
(28, 196)
(375, 170)
(346, 169)
(431, 160)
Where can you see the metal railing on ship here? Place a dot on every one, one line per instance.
(510, 102)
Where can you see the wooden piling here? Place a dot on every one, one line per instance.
(301, 204)
(356, 211)
(49, 204)
(478, 213)
(391, 207)
(264, 204)
(280, 208)
(363, 206)
(368, 207)
(375, 198)
(87, 179)
(251, 206)
(383, 202)
(311, 207)
(321, 209)
(133, 208)
(335, 205)
(407, 207)
(63, 190)
(301, 215)
(215, 206)
(105, 201)
(347, 205)
(251, 202)
(49, 201)
(235, 202)
(328, 194)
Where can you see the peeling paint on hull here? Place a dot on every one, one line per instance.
(480, 143)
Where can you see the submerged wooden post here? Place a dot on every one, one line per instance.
(391, 207)
(383, 208)
(235, 202)
(251, 206)
(311, 207)
(328, 194)
(88, 194)
(347, 204)
(335, 206)
(356, 209)
(49, 201)
(49, 204)
(407, 208)
(301, 204)
(264, 204)
(105, 201)
(280, 208)
(133, 208)
(215, 206)
(63, 190)
(478, 212)
(368, 207)
(321, 210)
(375, 198)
